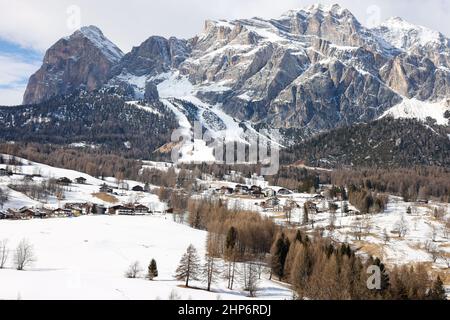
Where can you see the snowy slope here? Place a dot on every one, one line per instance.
(74, 193)
(420, 110)
(86, 258)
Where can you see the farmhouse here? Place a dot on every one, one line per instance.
(284, 192)
(64, 181)
(241, 189)
(80, 180)
(106, 189)
(121, 210)
(141, 209)
(226, 190)
(138, 189)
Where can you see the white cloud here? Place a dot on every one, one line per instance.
(12, 96)
(38, 24)
(13, 70)
(14, 74)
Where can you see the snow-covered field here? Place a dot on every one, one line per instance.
(86, 258)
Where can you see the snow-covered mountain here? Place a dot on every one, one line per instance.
(311, 70)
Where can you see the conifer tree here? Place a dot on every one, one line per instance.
(189, 267)
(152, 270)
(437, 291)
(279, 253)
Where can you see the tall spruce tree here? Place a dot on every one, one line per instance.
(152, 270)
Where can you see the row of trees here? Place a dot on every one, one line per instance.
(410, 183)
(319, 269)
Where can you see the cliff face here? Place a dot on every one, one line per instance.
(81, 61)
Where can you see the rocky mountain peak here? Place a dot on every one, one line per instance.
(95, 35)
(405, 35)
(80, 61)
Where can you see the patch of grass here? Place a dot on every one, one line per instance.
(106, 197)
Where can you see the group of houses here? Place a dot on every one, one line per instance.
(73, 210)
(254, 191)
(104, 188)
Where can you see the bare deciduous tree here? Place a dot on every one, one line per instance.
(3, 253)
(402, 227)
(24, 255)
(134, 270)
(432, 249)
(386, 237)
(250, 278)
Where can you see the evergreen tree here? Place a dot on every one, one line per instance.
(437, 291)
(279, 253)
(298, 236)
(152, 270)
(189, 266)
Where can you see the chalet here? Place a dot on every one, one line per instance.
(106, 189)
(64, 181)
(3, 215)
(423, 201)
(319, 197)
(80, 180)
(284, 192)
(138, 189)
(26, 213)
(121, 210)
(240, 189)
(42, 213)
(269, 192)
(226, 190)
(4, 172)
(141, 209)
(258, 194)
(255, 188)
(11, 214)
(62, 212)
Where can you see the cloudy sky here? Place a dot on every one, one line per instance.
(29, 27)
